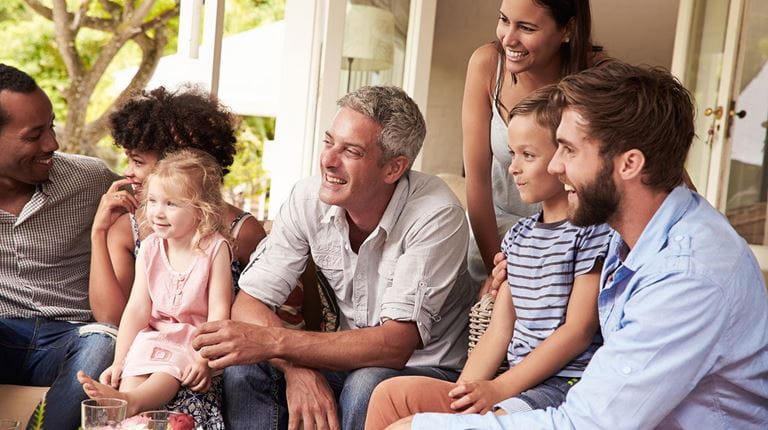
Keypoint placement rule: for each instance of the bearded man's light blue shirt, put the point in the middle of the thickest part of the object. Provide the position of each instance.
(684, 316)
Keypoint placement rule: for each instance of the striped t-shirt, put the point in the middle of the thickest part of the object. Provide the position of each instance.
(542, 261)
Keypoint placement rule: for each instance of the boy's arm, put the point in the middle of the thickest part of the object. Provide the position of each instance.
(492, 346)
(567, 341)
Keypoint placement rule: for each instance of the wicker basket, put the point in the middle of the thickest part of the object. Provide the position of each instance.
(479, 319)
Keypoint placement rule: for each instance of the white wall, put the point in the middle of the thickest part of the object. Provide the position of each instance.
(630, 30)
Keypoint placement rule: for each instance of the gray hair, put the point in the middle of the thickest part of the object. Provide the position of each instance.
(402, 125)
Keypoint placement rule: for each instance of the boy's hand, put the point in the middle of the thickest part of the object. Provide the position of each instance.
(111, 375)
(474, 397)
(197, 376)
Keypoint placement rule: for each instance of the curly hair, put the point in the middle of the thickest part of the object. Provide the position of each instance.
(194, 177)
(165, 121)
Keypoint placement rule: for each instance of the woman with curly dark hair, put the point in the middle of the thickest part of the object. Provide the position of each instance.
(148, 127)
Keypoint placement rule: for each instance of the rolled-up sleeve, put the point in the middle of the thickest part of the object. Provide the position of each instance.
(424, 276)
(280, 259)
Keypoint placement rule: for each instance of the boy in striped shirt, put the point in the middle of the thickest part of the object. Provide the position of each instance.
(545, 321)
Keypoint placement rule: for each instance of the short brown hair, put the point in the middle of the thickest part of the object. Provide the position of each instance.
(538, 104)
(629, 107)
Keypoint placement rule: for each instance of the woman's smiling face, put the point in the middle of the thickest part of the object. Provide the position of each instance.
(528, 35)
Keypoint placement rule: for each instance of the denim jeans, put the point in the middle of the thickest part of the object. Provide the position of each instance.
(254, 395)
(42, 352)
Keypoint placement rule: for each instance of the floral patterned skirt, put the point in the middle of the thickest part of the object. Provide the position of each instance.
(205, 408)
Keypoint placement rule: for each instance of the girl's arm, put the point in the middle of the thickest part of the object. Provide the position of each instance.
(220, 285)
(568, 341)
(136, 315)
(112, 270)
(492, 346)
(476, 132)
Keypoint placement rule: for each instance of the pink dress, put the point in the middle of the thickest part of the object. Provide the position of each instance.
(179, 306)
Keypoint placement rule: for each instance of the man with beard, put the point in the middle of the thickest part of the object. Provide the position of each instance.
(47, 203)
(390, 245)
(683, 307)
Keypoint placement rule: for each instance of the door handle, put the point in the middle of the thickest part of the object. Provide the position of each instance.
(717, 112)
(741, 114)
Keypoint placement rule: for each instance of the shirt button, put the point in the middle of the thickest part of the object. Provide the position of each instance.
(422, 284)
(626, 370)
(678, 238)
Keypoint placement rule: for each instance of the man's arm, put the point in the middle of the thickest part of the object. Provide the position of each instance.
(666, 344)
(258, 336)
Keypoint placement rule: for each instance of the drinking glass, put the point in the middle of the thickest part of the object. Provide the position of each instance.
(98, 414)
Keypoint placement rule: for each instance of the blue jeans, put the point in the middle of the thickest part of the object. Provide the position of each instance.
(254, 395)
(42, 352)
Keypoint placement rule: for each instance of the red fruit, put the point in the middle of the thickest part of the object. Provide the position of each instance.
(181, 422)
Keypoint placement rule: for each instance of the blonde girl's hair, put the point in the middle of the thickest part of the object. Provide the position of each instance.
(195, 176)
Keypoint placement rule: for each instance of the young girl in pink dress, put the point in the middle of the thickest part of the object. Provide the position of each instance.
(182, 280)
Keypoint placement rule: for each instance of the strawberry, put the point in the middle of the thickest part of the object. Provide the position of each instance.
(181, 422)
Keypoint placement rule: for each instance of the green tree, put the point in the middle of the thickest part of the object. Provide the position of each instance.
(88, 35)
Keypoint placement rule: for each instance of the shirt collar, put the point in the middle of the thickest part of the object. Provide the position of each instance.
(391, 213)
(49, 186)
(654, 236)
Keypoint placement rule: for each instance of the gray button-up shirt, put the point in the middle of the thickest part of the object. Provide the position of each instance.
(412, 267)
(45, 251)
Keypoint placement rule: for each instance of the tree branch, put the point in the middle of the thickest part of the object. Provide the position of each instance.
(65, 41)
(152, 50)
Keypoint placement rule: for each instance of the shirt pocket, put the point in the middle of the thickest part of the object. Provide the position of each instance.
(330, 265)
(387, 270)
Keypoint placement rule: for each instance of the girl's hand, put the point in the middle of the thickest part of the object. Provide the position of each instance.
(474, 397)
(197, 376)
(111, 375)
(114, 203)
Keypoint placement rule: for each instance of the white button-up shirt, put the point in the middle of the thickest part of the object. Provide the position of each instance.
(412, 267)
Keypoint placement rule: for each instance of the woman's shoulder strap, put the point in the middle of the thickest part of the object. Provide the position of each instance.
(237, 223)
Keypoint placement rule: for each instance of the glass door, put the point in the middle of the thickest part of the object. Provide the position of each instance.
(701, 44)
(746, 185)
(720, 55)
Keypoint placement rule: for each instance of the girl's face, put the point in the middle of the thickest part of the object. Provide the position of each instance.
(528, 35)
(168, 214)
(532, 148)
(140, 165)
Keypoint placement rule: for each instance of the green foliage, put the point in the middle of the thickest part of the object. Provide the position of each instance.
(37, 416)
(27, 42)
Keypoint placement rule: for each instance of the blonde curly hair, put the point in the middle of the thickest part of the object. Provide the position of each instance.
(195, 177)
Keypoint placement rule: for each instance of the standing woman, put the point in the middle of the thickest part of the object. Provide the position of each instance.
(538, 43)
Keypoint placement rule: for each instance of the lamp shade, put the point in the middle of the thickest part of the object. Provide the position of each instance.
(368, 34)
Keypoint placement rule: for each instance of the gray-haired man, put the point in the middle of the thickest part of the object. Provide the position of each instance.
(392, 245)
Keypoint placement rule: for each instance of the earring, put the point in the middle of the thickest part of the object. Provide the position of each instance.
(567, 39)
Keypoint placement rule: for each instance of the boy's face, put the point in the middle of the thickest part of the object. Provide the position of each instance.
(532, 148)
